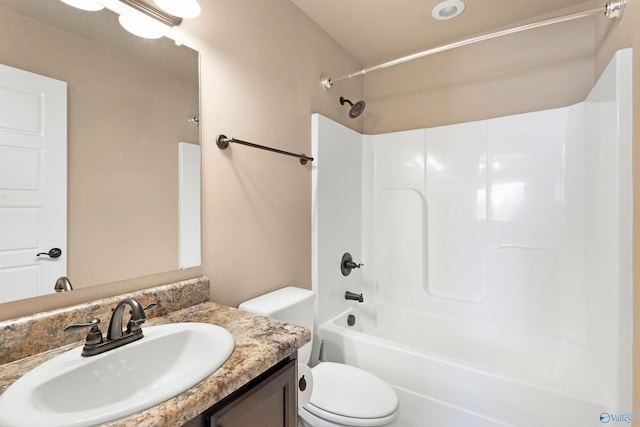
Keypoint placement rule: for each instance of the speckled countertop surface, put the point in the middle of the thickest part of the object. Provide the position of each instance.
(260, 343)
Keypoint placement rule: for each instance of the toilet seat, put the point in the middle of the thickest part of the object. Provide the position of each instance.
(327, 419)
(349, 396)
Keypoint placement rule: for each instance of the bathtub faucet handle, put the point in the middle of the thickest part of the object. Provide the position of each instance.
(347, 264)
(353, 296)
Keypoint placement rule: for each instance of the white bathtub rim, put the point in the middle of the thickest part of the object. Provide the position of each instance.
(330, 325)
(497, 423)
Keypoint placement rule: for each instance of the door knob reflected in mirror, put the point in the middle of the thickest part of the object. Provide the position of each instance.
(53, 253)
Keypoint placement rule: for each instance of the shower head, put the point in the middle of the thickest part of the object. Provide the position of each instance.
(356, 109)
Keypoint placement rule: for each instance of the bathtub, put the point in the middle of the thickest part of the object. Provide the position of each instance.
(456, 373)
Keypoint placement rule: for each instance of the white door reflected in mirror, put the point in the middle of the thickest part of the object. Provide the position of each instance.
(33, 183)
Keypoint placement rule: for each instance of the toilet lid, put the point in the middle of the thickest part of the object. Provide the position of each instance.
(348, 391)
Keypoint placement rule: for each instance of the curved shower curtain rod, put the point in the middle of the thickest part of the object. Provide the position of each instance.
(612, 10)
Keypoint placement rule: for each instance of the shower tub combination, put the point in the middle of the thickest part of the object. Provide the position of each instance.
(505, 302)
(458, 373)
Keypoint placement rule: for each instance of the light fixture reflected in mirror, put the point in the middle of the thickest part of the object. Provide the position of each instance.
(89, 5)
(145, 18)
(181, 8)
(139, 26)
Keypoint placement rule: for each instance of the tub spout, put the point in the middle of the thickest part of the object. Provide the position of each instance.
(353, 296)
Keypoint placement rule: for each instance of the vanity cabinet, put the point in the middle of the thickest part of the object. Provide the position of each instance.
(270, 400)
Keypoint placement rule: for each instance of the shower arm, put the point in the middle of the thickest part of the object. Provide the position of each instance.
(612, 10)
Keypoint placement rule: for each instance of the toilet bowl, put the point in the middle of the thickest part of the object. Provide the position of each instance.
(341, 395)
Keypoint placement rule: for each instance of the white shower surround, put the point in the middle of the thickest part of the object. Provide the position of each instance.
(508, 240)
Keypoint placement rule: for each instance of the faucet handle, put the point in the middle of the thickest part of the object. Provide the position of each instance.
(135, 324)
(150, 306)
(347, 264)
(94, 336)
(131, 325)
(93, 324)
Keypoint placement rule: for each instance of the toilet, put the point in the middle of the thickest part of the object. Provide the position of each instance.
(341, 395)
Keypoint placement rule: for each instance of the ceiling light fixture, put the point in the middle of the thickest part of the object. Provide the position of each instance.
(89, 5)
(448, 9)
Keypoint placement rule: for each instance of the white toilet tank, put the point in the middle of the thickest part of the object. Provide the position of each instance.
(292, 305)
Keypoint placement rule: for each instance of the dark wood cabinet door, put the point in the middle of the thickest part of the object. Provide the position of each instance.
(270, 403)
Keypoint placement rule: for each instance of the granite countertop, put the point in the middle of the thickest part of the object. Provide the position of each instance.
(260, 343)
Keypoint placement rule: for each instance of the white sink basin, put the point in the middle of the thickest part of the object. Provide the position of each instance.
(72, 390)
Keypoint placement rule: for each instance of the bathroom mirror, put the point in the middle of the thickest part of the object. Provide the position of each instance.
(130, 102)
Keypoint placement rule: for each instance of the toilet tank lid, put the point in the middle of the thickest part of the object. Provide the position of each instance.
(270, 304)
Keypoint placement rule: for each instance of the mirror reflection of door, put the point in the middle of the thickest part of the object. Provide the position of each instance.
(33, 183)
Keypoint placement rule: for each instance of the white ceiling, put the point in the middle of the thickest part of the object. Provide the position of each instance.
(375, 31)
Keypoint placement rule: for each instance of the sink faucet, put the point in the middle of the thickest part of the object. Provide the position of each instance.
(138, 317)
(116, 337)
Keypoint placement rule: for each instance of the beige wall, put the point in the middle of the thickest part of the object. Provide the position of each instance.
(261, 66)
